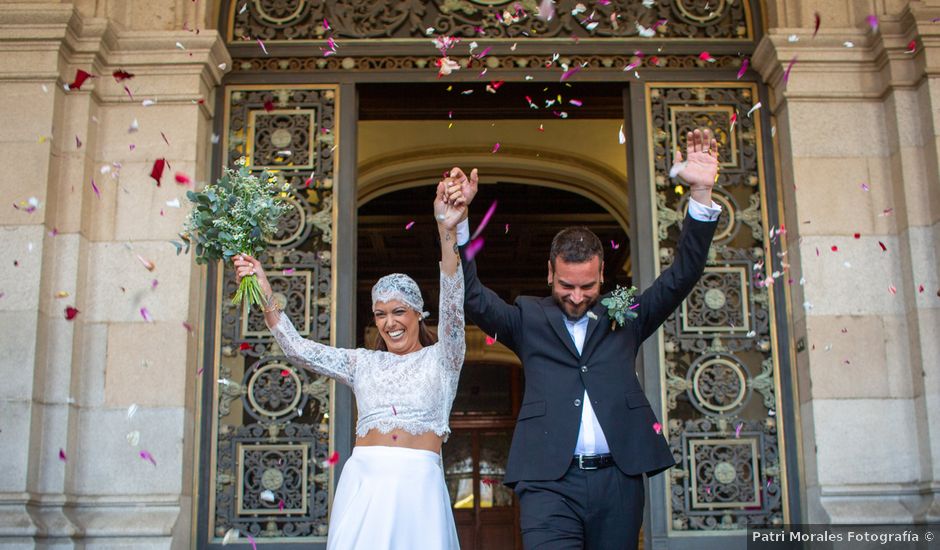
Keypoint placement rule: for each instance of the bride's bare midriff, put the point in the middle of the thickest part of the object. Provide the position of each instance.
(428, 441)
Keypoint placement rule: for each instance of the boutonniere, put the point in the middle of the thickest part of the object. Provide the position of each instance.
(621, 305)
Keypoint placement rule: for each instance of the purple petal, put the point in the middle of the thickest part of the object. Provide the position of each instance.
(484, 221)
(474, 247)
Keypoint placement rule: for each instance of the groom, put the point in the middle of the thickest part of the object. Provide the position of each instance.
(586, 433)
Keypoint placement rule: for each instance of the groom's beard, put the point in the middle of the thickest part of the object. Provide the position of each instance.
(572, 311)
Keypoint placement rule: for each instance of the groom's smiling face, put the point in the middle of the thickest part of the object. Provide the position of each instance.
(576, 286)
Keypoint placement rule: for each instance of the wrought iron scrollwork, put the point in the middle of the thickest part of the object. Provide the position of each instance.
(273, 428)
(717, 347)
(294, 20)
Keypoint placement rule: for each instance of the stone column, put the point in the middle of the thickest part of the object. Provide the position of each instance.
(100, 224)
(858, 152)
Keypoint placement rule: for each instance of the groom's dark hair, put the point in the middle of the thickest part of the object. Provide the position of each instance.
(575, 245)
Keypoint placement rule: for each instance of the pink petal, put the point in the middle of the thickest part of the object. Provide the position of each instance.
(148, 457)
(911, 47)
(326, 24)
(62, 456)
(490, 340)
(892, 289)
(567, 74)
(409, 225)
(575, 102)
(873, 22)
(146, 315)
(187, 326)
(280, 505)
(252, 541)
(265, 50)
(743, 68)
(334, 458)
(705, 56)
(614, 245)
(495, 148)
(657, 427)
(786, 73)
(507, 230)
(474, 248)
(484, 221)
(95, 188)
(737, 430)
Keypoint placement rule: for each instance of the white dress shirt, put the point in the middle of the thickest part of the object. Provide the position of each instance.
(591, 439)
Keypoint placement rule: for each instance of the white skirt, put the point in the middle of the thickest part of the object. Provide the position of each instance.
(392, 498)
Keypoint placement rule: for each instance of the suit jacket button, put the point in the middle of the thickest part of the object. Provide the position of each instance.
(584, 368)
(577, 402)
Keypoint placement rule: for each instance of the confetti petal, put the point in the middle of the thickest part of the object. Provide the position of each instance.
(148, 457)
(818, 21)
(737, 430)
(333, 459)
(620, 137)
(133, 438)
(883, 247)
(265, 50)
(132, 410)
(80, 78)
(754, 108)
(120, 75)
(484, 221)
(62, 456)
(146, 315)
(705, 56)
(147, 263)
(71, 313)
(786, 73)
(495, 148)
(911, 47)
(268, 105)
(409, 225)
(474, 248)
(873, 22)
(94, 188)
(230, 536)
(157, 172)
(267, 496)
(182, 178)
(567, 74)
(657, 427)
(743, 69)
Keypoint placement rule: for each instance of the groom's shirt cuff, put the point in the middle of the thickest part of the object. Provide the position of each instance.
(697, 210)
(463, 233)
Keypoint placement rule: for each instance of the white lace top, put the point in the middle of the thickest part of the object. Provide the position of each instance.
(413, 392)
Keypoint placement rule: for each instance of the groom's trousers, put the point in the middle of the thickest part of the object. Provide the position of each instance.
(586, 509)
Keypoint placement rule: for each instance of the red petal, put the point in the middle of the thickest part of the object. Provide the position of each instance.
(835, 248)
(182, 179)
(883, 247)
(80, 78)
(269, 105)
(121, 74)
(818, 21)
(62, 455)
(858, 235)
(71, 313)
(911, 46)
(334, 458)
(243, 346)
(157, 172)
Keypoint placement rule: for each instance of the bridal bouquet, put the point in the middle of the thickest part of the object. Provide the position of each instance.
(235, 216)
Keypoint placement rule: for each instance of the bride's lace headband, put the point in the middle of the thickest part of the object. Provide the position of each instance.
(399, 286)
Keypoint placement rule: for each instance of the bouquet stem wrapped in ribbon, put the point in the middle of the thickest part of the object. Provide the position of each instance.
(236, 215)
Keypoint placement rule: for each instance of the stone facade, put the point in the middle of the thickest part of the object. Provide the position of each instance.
(868, 376)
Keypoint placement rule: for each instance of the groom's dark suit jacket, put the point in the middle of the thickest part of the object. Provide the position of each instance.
(556, 375)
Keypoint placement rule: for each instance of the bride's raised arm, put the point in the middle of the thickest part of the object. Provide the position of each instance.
(448, 211)
(338, 363)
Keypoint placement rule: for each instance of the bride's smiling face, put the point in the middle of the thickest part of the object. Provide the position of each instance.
(398, 326)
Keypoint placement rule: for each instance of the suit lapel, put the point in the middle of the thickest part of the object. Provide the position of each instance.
(556, 318)
(600, 314)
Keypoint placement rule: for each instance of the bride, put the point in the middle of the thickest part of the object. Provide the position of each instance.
(391, 493)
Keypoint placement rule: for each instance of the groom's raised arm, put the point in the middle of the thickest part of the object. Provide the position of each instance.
(482, 306)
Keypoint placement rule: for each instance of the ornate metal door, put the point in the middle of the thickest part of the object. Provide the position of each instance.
(268, 429)
(720, 363)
